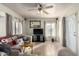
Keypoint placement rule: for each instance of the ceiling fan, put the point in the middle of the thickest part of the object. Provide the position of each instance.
(41, 8)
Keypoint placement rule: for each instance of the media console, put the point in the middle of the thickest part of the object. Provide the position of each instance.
(38, 35)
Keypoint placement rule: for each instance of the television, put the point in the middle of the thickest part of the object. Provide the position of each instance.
(37, 31)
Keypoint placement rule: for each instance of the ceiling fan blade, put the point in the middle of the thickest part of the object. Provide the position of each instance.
(48, 7)
(36, 8)
(45, 12)
(32, 9)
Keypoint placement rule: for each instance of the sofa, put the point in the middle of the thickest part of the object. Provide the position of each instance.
(10, 45)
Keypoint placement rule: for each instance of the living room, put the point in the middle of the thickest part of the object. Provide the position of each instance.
(29, 29)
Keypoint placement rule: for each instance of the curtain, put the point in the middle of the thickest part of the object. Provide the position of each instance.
(8, 25)
(64, 32)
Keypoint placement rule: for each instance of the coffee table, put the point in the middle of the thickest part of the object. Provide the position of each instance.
(27, 47)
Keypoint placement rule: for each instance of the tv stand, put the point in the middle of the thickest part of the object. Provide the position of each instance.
(38, 38)
(38, 35)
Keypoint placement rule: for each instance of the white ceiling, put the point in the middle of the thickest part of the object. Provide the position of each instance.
(59, 9)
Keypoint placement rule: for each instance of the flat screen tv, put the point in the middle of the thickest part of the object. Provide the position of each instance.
(37, 31)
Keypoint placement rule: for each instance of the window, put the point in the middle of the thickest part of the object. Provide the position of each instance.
(9, 25)
(50, 29)
(17, 26)
(20, 27)
(2, 26)
(13, 27)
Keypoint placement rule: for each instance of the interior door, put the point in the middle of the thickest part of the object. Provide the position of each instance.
(71, 33)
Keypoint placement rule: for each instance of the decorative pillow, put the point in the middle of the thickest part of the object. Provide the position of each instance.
(14, 37)
(25, 38)
(13, 42)
(20, 41)
(9, 40)
(4, 41)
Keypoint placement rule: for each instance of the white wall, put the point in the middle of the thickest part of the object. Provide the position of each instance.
(29, 31)
(60, 30)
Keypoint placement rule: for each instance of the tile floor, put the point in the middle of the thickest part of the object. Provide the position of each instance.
(49, 48)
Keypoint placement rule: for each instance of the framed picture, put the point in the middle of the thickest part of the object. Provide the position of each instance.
(35, 24)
